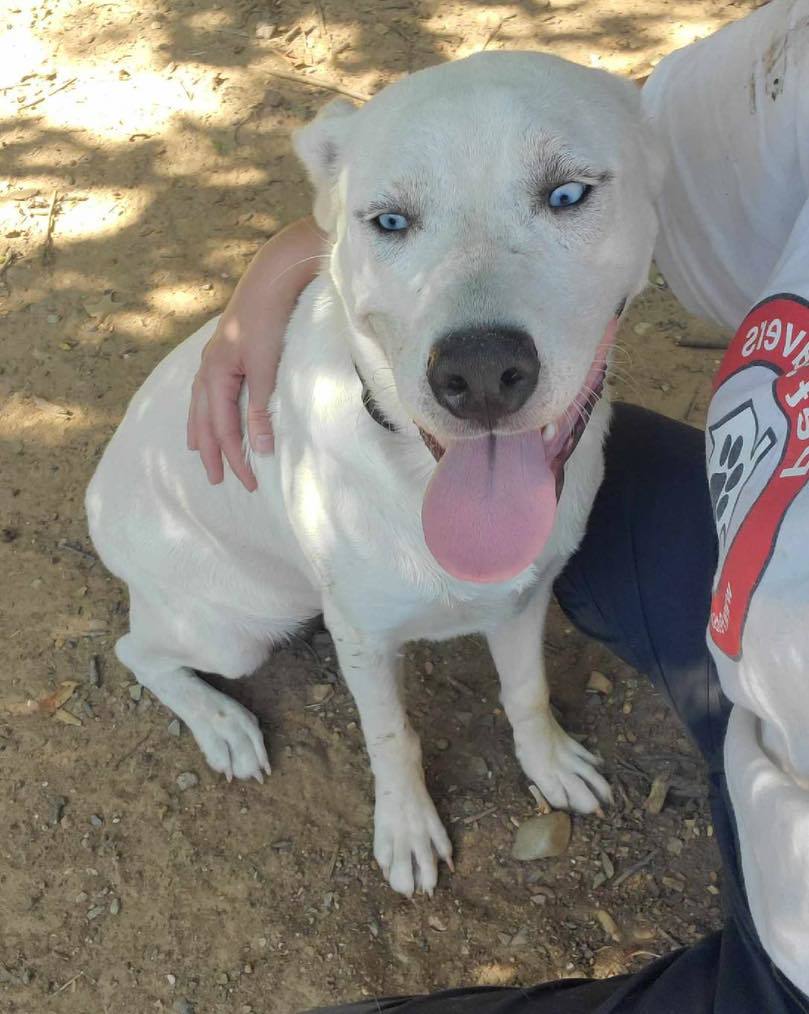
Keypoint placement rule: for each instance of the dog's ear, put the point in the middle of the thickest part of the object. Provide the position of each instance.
(319, 145)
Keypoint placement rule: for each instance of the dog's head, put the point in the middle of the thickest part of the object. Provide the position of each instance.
(490, 218)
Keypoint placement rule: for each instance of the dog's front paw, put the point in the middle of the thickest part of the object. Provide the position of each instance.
(565, 772)
(408, 836)
(229, 736)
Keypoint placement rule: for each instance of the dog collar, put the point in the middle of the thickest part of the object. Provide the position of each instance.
(371, 407)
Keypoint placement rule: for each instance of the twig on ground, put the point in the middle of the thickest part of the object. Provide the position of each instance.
(69, 982)
(630, 871)
(458, 685)
(333, 862)
(475, 817)
(53, 91)
(703, 343)
(313, 82)
(130, 753)
(47, 243)
(74, 547)
(496, 31)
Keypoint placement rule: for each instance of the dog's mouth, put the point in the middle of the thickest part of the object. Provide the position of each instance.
(491, 503)
(560, 437)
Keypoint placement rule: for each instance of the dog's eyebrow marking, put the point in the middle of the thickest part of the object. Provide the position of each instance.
(402, 200)
(551, 170)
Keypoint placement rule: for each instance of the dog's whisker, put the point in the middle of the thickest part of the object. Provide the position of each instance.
(304, 260)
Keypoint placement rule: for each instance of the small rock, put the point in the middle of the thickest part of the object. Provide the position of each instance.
(94, 671)
(674, 846)
(672, 884)
(135, 691)
(608, 924)
(539, 899)
(95, 912)
(174, 727)
(435, 923)
(53, 318)
(320, 692)
(599, 683)
(644, 327)
(183, 1007)
(187, 780)
(520, 938)
(322, 642)
(607, 866)
(115, 906)
(264, 30)
(656, 799)
(478, 767)
(543, 836)
(442, 744)
(95, 820)
(81, 897)
(429, 667)
(608, 962)
(57, 809)
(222, 979)
(172, 980)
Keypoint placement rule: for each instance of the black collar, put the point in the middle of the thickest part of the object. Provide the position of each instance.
(371, 407)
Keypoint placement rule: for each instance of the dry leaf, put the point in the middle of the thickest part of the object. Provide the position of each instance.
(47, 705)
(65, 716)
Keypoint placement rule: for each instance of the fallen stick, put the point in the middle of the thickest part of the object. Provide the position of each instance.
(47, 244)
(61, 88)
(713, 344)
(630, 871)
(317, 83)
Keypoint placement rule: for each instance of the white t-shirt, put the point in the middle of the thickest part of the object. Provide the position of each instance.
(733, 112)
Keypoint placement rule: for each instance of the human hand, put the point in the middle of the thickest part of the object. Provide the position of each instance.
(247, 347)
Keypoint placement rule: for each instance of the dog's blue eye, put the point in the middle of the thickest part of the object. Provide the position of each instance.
(568, 194)
(389, 221)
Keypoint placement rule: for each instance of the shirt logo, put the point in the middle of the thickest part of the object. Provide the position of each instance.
(758, 453)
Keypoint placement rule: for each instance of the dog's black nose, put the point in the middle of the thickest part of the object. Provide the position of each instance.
(483, 374)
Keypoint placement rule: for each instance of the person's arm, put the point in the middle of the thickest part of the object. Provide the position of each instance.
(247, 346)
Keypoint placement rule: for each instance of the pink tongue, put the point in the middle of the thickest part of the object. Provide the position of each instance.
(489, 507)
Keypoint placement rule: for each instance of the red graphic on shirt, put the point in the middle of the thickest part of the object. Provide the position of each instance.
(775, 334)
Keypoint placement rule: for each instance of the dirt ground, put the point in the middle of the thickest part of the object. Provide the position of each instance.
(145, 156)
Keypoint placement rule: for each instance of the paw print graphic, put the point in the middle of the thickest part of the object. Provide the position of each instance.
(725, 480)
(738, 447)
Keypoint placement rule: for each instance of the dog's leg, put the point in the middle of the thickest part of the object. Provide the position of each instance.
(562, 769)
(227, 733)
(407, 830)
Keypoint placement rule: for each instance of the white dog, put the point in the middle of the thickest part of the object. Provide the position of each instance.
(490, 219)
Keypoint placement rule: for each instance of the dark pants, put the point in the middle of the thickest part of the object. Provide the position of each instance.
(640, 584)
